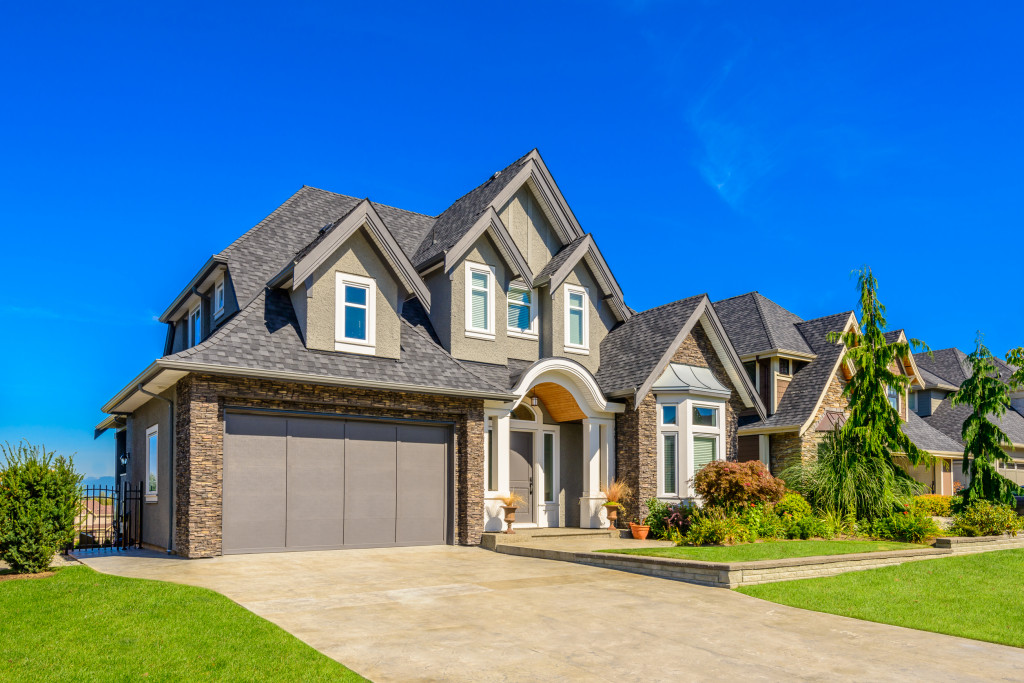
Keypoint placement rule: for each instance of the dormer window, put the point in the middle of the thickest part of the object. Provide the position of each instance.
(355, 315)
(522, 314)
(218, 298)
(195, 325)
(783, 366)
(577, 326)
(479, 301)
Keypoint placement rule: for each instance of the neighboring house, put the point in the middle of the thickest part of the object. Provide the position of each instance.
(349, 374)
(800, 376)
(97, 519)
(943, 372)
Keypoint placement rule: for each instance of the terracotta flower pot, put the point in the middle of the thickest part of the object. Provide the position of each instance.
(510, 517)
(613, 515)
(639, 531)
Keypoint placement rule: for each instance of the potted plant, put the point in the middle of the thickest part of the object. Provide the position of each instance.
(616, 492)
(639, 530)
(510, 503)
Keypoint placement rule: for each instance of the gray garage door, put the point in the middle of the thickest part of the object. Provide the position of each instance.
(298, 483)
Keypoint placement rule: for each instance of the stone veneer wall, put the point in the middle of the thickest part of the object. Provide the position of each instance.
(636, 430)
(787, 445)
(200, 445)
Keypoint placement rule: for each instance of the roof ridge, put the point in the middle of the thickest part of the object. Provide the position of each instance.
(752, 292)
(489, 179)
(670, 303)
(760, 316)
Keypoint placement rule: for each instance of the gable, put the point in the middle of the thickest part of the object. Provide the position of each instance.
(526, 219)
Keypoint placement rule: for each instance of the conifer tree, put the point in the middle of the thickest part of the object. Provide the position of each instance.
(983, 439)
(873, 424)
(1015, 357)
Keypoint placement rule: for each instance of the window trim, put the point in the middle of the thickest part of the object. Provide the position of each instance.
(912, 401)
(661, 414)
(196, 312)
(789, 367)
(490, 459)
(348, 344)
(531, 331)
(471, 331)
(890, 394)
(548, 477)
(153, 431)
(663, 492)
(219, 298)
(584, 348)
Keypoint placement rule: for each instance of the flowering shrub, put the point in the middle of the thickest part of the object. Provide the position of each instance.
(794, 505)
(982, 518)
(667, 521)
(936, 506)
(734, 485)
(714, 526)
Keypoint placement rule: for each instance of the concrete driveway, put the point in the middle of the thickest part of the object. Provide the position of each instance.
(467, 614)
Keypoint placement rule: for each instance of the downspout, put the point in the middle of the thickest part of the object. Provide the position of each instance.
(173, 431)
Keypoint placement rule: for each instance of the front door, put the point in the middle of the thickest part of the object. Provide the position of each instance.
(520, 472)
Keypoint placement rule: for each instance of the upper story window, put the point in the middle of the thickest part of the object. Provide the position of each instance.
(669, 414)
(218, 298)
(783, 366)
(577, 325)
(152, 458)
(893, 394)
(355, 313)
(522, 313)
(912, 400)
(195, 325)
(705, 417)
(479, 301)
(751, 367)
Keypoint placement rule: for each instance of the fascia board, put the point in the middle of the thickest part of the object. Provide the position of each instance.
(821, 397)
(489, 221)
(212, 263)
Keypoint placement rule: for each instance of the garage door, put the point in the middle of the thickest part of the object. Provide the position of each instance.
(298, 483)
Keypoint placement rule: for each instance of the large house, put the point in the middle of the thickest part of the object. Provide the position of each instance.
(348, 374)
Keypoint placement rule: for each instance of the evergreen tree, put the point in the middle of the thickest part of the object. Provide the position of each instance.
(874, 425)
(1015, 357)
(982, 438)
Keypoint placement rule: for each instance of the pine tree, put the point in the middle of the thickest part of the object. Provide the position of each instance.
(873, 424)
(1015, 357)
(982, 438)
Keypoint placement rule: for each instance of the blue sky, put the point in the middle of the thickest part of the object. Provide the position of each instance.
(710, 147)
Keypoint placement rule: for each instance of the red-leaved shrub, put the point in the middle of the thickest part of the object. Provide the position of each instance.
(734, 485)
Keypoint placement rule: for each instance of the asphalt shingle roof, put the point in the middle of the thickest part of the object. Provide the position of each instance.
(630, 352)
(947, 364)
(801, 397)
(557, 260)
(265, 335)
(927, 437)
(949, 420)
(755, 324)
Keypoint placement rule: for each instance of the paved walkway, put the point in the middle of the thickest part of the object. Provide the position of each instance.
(467, 614)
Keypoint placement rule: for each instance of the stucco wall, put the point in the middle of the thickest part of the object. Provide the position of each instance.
(357, 256)
(600, 317)
(155, 515)
(530, 229)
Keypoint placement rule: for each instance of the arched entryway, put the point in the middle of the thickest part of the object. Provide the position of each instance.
(554, 446)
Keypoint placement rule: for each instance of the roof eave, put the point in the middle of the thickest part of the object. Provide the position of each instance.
(213, 263)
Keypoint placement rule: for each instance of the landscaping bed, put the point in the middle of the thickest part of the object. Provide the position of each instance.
(971, 596)
(770, 550)
(82, 625)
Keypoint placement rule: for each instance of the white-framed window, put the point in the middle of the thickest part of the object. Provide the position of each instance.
(491, 461)
(705, 416)
(548, 446)
(522, 311)
(577, 324)
(479, 301)
(912, 401)
(195, 324)
(669, 414)
(893, 394)
(218, 298)
(705, 450)
(152, 460)
(706, 434)
(669, 457)
(355, 320)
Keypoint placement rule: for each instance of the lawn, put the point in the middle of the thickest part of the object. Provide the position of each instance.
(973, 596)
(768, 550)
(82, 625)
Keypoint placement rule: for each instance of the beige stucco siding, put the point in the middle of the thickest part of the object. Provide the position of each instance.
(530, 229)
(156, 514)
(357, 256)
(600, 317)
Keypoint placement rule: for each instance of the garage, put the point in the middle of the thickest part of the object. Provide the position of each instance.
(311, 483)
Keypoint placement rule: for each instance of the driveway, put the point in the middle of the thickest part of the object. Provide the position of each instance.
(467, 614)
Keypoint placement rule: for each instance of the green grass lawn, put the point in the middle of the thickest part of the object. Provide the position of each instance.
(973, 596)
(82, 625)
(769, 550)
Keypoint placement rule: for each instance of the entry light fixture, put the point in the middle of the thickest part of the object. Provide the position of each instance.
(533, 401)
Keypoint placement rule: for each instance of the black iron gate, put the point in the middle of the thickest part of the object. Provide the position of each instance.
(109, 517)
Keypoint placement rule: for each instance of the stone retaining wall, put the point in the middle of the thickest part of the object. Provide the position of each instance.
(960, 545)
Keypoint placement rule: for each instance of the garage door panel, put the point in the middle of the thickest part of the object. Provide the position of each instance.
(316, 483)
(254, 492)
(422, 484)
(370, 491)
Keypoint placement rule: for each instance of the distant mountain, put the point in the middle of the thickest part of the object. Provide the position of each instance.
(99, 481)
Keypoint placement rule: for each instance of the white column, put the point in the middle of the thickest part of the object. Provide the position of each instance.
(763, 452)
(592, 512)
(498, 421)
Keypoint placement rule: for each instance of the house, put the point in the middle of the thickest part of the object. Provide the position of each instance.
(349, 374)
(800, 376)
(943, 372)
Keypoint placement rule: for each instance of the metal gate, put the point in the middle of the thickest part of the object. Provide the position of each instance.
(109, 517)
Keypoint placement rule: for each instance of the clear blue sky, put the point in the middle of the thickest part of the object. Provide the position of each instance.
(710, 147)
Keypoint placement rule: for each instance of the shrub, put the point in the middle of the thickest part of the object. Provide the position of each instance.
(906, 526)
(762, 522)
(807, 526)
(713, 526)
(733, 485)
(840, 525)
(983, 518)
(933, 505)
(794, 505)
(664, 519)
(39, 500)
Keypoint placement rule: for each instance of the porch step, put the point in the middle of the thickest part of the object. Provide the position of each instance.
(492, 539)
